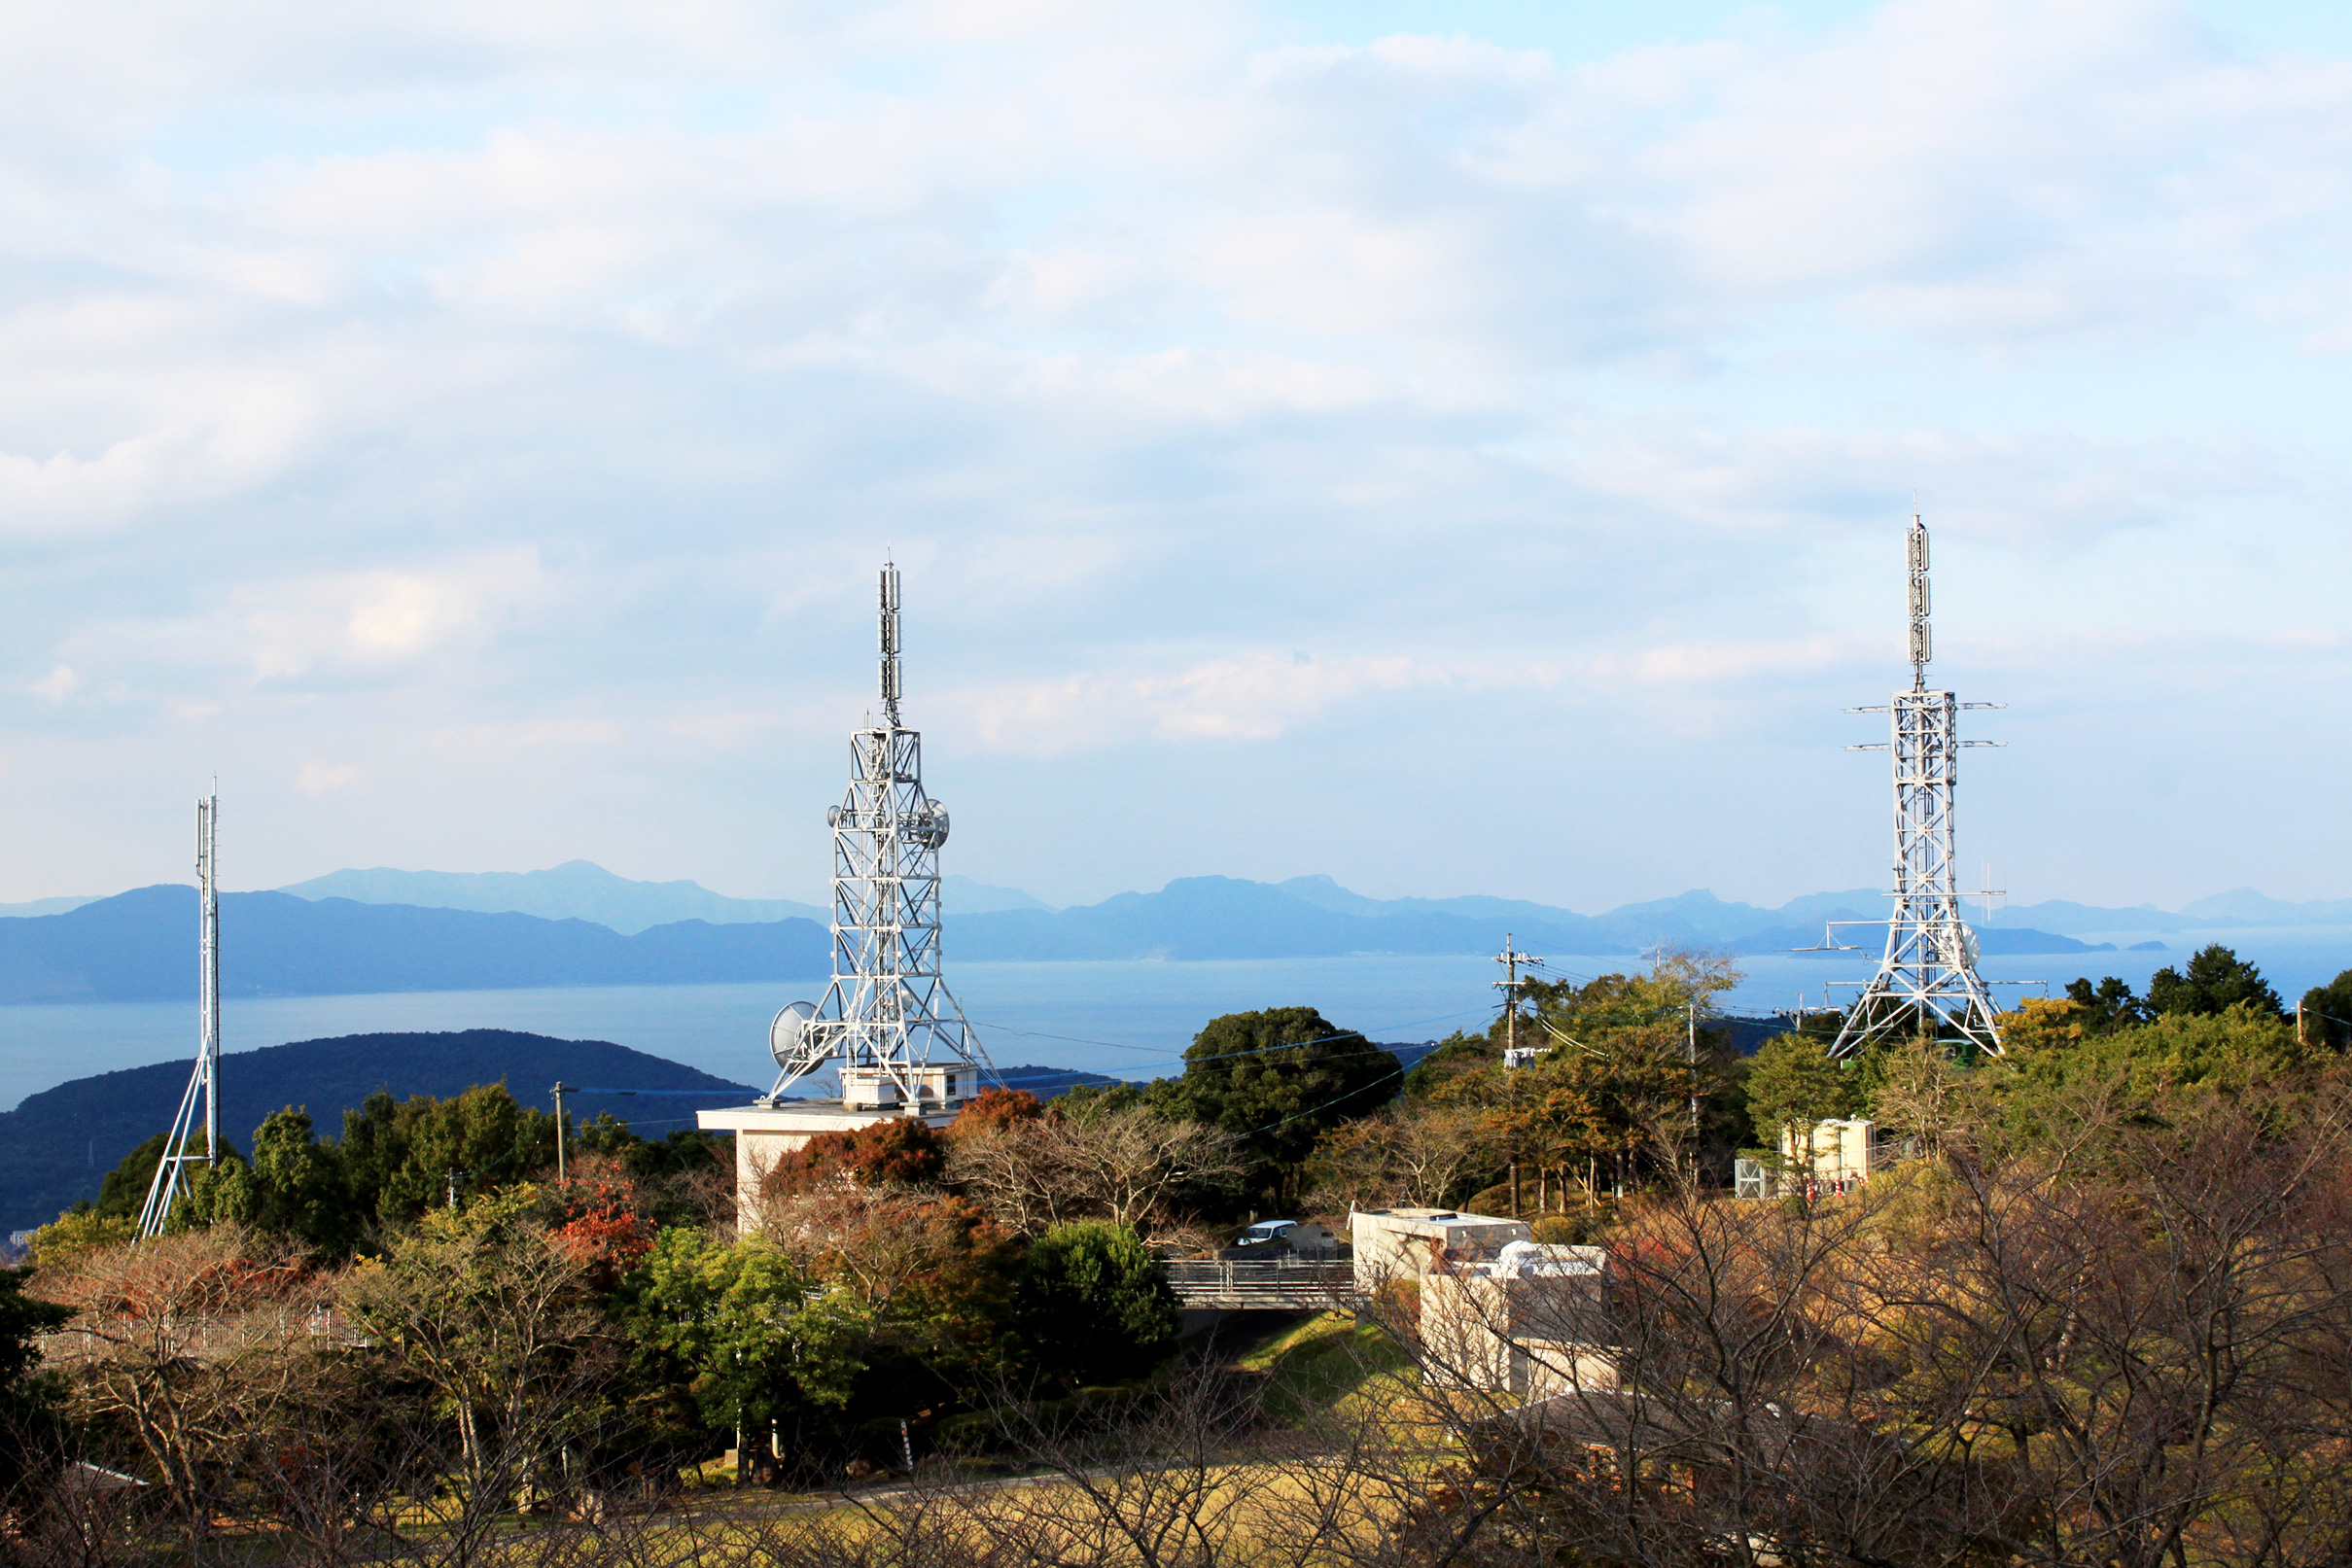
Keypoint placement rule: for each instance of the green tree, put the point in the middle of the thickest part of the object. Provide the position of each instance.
(293, 1186)
(748, 1334)
(2327, 1013)
(1276, 1080)
(2218, 980)
(402, 1157)
(125, 1190)
(1094, 1303)
(2108, 1006)
(28, 1396)
(482, 1305)
(1792, 1085)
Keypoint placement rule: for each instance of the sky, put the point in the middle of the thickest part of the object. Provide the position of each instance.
(1453, 448)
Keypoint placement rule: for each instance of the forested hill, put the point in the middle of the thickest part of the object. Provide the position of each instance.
(57, 1146)
(141, 945)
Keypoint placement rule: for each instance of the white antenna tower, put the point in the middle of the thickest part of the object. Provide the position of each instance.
(886, 1017)
(171, 1180)
(1928, 979)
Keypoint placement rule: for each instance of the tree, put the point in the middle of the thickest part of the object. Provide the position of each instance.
(1456, 1054)
(1419, 1156)
(1094, 1303)
(1276, 1079)
(2217, 981)
(1794, 1085)
(482, 1304)
(403, 1157)
(2110, 1005)
(899, 1151)
(747, 1333)
(1126, 1164)
(30, 1397)
(293, 1187)
(196, 1347)
(2327, 1013)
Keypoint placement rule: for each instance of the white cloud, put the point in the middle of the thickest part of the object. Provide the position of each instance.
(536, 732)
(59, 684)
(446, 364)
(1250, 697)
(378, 618)
(318, 779)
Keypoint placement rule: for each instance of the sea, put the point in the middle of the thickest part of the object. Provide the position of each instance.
(1127, 1019)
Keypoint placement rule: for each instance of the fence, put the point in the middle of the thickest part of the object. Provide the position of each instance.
(1286, 1282)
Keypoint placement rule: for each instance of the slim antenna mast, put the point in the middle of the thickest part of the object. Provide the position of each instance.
(1927, 980)
(889, 644)
(171, 1181)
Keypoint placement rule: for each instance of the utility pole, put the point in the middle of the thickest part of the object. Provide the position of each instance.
(1510, 957)
(1691, 1007)
(560, 1088)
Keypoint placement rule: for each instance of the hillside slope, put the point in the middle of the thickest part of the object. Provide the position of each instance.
(57, 1146)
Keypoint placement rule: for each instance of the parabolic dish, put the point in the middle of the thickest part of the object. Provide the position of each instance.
(791, 1028)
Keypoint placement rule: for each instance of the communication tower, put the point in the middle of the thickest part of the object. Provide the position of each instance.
(1927, 981)
(172, 1181)
(888, 1017)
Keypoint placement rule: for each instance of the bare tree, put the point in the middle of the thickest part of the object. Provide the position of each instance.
(1128, 1166)
(1418, 1156)
(195, 1347)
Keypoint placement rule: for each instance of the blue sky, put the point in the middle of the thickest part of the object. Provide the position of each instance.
(1455, 449)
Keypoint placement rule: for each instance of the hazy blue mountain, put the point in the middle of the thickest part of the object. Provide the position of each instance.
(577, 890)
(2244, 906)
(44, 906)
(57, 1146)
(142, 944)
(1227, 918)
(960, 895)
(1326, 894)
(582, 889)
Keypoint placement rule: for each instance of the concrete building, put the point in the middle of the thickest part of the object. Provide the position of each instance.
(1412, 1243)
(1532, 1320)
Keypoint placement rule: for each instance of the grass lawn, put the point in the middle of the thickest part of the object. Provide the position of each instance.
(1333, 1361)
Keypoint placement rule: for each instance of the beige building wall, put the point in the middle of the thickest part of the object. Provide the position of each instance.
(1534, 1334)
(1411, 1243)
(1844, 1149)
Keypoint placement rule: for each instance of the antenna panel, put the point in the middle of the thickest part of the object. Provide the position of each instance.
(1919, 643)
(1918, 550)
(790, 1028)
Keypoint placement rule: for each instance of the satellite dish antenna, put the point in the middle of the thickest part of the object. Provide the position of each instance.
(790, 1028)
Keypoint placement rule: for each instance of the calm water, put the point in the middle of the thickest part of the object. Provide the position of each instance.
(1130, 1019)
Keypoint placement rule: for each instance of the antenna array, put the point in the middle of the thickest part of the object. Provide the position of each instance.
(886, 1017)
(171, 1181)
(1927, 980)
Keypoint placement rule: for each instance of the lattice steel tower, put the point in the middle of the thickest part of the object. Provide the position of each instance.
(886, 1017)
(171, 1181)
(1927, 981)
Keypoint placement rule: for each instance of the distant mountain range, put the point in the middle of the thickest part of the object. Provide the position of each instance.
(56, 1147)
(141, 945)
(306, 942)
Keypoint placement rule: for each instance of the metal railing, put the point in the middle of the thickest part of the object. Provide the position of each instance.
(1299, 1280)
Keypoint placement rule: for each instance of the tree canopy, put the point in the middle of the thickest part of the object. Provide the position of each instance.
(1278, 1079)
(2217, 980)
